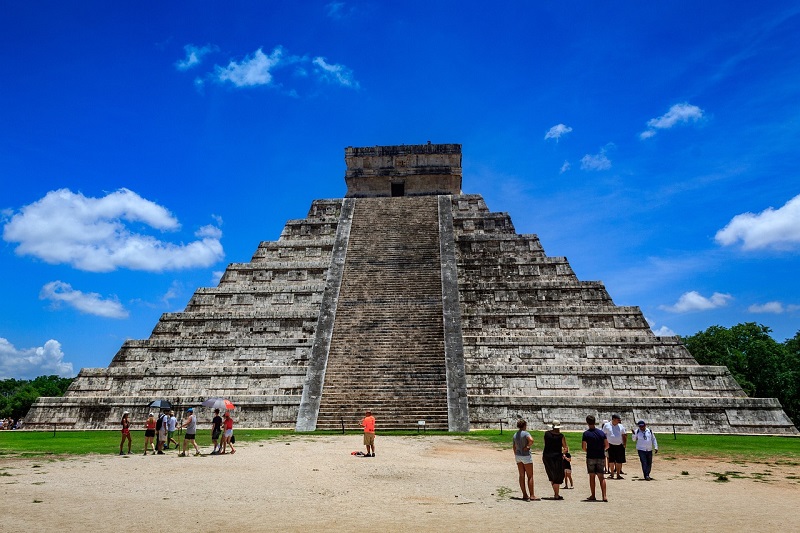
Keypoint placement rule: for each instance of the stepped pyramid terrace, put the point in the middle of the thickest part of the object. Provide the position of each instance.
(416, 301)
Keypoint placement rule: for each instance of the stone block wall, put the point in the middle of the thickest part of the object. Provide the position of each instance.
(248, 340)
(541, 344)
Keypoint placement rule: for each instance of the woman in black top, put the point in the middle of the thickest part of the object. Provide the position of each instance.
(554, 447)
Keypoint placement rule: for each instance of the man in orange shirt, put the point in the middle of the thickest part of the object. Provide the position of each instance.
(368, 422)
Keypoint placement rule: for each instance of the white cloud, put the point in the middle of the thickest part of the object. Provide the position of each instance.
(694, 301)
(772, 228)
(252, 70)
(259, 69)
(194, 56)
(564, 167)
(336, 10)
(776, 308)
(33, 362)
(91, 234)
(216, 276)
(678, 114)
(175, 289)
(598, 161)
(88, 303)
(557, 131)
(334, 73)
(664, 331)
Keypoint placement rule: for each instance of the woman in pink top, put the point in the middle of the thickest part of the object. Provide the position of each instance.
(149, 433)
(126, 432)
(226, 437)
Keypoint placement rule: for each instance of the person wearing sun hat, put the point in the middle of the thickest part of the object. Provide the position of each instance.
(646, 444)
(191, 430)
(553, 456)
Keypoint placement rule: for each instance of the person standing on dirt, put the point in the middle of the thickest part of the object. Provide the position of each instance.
(161, 432)
(191, 431)
(149, 433)
(227, 436)
(553, 456)
(522, 454)
(368, 423)
(216, 431)
(126, 432)
(617, 437)
(595, 444)
(646, 444)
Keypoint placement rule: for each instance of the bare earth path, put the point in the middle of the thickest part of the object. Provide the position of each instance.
(446, 483)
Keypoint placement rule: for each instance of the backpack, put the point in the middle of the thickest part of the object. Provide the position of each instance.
(159, 422)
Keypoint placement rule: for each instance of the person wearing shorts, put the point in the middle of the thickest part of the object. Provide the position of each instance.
(368, 423)
(172, 423)
(617, 437)
(149, 433)
(522, 454)
(567, 462)
(191, 430)
(595, 444)
(227, 437)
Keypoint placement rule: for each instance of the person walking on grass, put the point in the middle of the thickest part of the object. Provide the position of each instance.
(191, 431)
(368, 423)
(172, 423)
(595, 444)
(149, 433)
(227, 437)
(126, 432)
(646, 444)
(161, 432)
(522, 454)
(553, 457)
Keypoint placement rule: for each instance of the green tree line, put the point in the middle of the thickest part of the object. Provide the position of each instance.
(17, 395)
(763, 367)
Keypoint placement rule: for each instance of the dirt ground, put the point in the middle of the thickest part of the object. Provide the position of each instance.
(446, 483)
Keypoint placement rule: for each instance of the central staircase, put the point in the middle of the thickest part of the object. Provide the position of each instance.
(387, 346)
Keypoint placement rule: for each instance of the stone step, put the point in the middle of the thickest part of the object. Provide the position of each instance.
(388, 328)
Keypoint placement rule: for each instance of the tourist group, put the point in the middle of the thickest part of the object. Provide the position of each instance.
(159, 432)
(605, 455)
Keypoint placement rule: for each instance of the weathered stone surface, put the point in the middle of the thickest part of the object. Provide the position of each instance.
(408, 170)
(422, 307)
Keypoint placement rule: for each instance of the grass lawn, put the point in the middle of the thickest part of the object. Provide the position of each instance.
(734, 447)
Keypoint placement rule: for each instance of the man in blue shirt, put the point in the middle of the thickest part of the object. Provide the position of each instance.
(595, 444)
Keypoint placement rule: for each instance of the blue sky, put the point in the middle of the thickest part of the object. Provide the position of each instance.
(146, 145)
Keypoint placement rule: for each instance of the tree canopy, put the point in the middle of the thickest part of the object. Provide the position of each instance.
(17, 395)
(763, 367)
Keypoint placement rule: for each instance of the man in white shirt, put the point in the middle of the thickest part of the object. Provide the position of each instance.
(172, 423)
(646, 444)
(617, 437)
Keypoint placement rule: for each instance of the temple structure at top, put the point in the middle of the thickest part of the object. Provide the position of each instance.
(414, 300)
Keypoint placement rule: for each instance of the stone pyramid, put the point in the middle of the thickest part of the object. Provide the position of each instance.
(414, 300)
